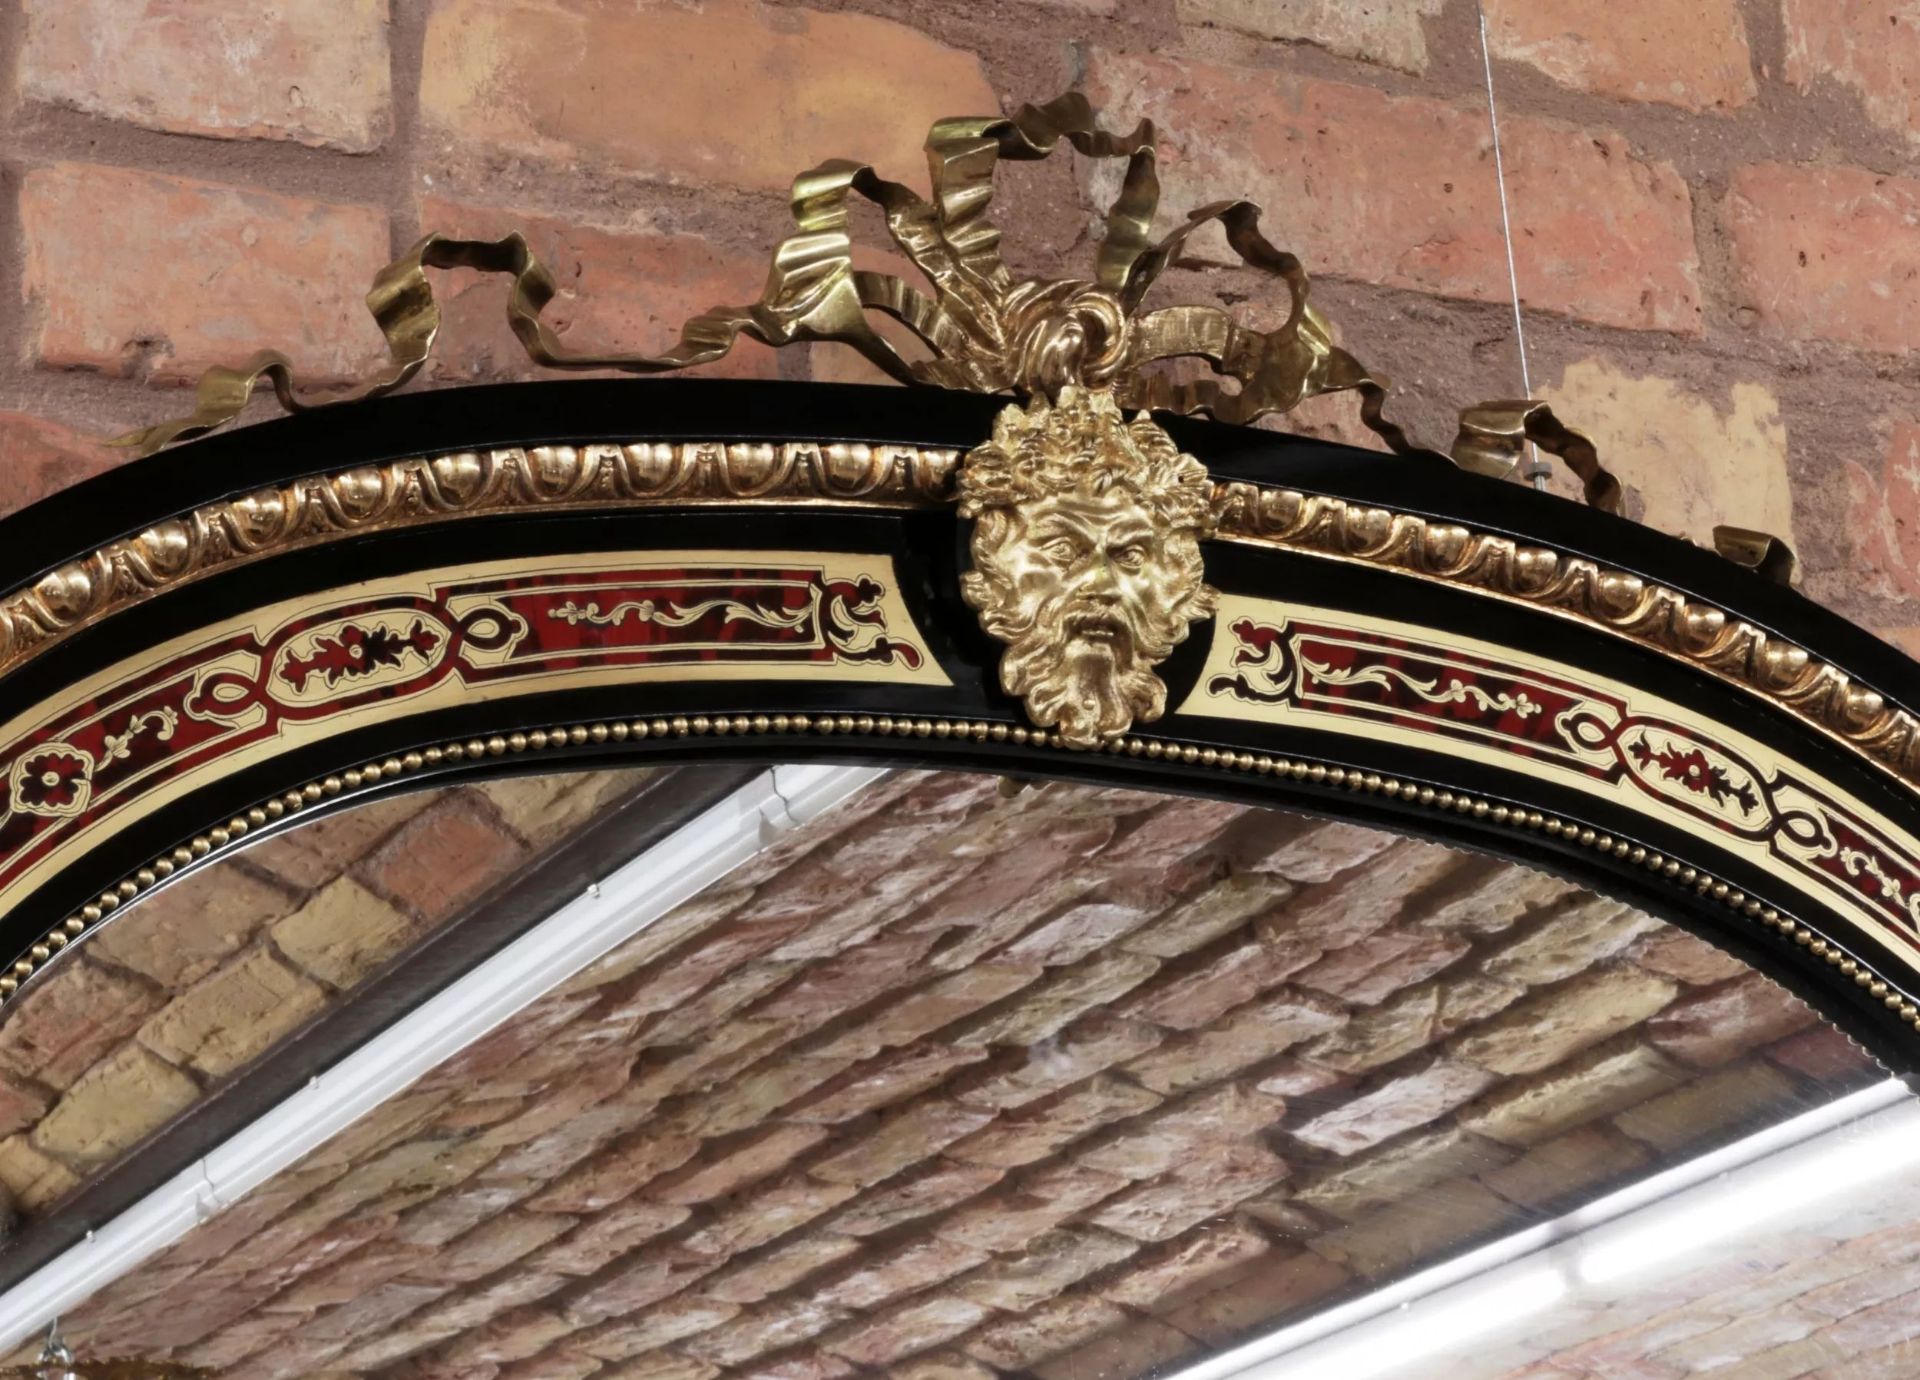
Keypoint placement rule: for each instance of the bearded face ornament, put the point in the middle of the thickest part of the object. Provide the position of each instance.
(1086, 559)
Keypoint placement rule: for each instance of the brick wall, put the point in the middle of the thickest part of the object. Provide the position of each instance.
(1716, 205)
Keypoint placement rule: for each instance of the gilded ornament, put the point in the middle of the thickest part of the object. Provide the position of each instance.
(984, 330)
(1086, 559)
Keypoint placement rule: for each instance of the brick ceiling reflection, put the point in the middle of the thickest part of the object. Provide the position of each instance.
(1077, 1083)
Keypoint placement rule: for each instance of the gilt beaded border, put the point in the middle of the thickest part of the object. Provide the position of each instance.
(306, 797)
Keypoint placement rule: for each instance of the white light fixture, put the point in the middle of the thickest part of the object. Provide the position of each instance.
(1752, 1198)
(613, 910)
(1401, 1329)
(1429, 1328)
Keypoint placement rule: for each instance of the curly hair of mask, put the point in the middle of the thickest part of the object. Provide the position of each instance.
(1087, 447)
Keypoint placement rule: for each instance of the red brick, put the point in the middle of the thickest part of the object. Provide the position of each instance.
(179, 934)
(1188, 1266)
(1229, 975)
(918, 1192)
(1059, 1325)
(1250, 1302)
(766, 1273)
(1206, 915)
(1401, 190)
(1828, 253)
(726, 1171)
(640, 88)
(70, 1021)
(1885, 512)
(1243, 1037)
(1870, 48)
(1078, 931)
(903, 1018)
(458, 1312)
(314, 854)
(766, 1213)
(1204, 1186)
(512, 1336)
(39, 457)
(173, 275)
(1044, 1267)
(234, 1015)
(918, 1325)
(1034, 1132)
(1081, 1050)
(1331, 916)
(1674, 953)
(1008, 1220)
(442, 858)
(659, 1325)
(316, 71)
(1381, 964)
(1720, 1024)
(1169, 832)
(21, 1104)
(643, 1279)
(1423, 1227)
(768, 1327)
(1009, 883)
(1180, 1130)
(1310, 850)
(883, 1081)
(905, 1137)
(1694, 56)
(848, 980)
(608, 1235)
(906, 1268)
(495, 1244)
(617, 1172)
(347, 1277)
(554, 1364)
(1826, 1055)
(482, 1062)
(1392, 34)
(1399, 1103)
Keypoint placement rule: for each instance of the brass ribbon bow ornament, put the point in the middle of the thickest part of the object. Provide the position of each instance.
(1085, 545)
(985, 332)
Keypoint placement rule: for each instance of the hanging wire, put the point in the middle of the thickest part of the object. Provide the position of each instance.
(1537, 470)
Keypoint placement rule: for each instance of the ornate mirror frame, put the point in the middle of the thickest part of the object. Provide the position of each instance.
(234, 635)
(328, 608)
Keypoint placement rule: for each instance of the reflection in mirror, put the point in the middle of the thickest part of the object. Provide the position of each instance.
(957, 1082)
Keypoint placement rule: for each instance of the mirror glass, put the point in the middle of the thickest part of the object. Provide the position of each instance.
(958, 1079)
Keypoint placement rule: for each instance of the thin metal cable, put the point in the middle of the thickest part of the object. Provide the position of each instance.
(1537, 472)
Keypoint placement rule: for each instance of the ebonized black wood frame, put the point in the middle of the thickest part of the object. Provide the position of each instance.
(1375, 692)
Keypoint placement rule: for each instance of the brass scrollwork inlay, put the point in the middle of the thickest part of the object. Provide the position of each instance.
(408, 493)
(417, 492)
(1623, 603)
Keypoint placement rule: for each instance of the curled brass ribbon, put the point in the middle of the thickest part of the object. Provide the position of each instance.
(1761, 552)
(1493, 434)
(984, 330)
